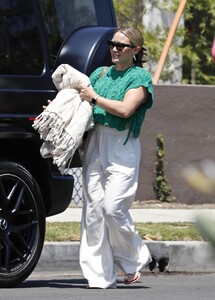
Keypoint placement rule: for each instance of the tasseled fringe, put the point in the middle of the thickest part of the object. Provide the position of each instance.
(49, 125)
(60, 144)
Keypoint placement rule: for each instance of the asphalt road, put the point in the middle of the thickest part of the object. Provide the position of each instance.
(152, 287)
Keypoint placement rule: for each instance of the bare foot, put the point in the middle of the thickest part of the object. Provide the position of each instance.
(131, 278)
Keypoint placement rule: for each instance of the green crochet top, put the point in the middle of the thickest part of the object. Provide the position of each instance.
(114, 85)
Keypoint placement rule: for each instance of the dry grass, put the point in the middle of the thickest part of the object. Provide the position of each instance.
(177, 231)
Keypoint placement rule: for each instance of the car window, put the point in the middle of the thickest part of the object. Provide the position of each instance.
(61, 17)
(20, 50)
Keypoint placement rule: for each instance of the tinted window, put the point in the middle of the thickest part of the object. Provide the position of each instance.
(20, 51)
(63, 16)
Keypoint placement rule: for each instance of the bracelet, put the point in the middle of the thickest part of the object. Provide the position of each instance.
(96, 97)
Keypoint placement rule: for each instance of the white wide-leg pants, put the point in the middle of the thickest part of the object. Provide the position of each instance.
(108, 235)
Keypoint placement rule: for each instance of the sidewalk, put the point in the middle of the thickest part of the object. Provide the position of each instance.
(182, 256)
(141, 215)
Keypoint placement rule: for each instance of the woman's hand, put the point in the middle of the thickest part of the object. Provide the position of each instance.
(87, 93)
(44, 106)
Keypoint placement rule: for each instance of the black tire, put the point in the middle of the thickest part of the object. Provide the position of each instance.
(22, 224)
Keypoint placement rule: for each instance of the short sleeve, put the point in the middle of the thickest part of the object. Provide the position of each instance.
(144, 79)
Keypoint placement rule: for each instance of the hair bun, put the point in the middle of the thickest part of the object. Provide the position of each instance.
(142, 56)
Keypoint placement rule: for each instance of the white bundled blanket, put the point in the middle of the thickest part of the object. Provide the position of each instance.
(62, 124)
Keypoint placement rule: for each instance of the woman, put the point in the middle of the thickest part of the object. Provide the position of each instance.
(120, 98)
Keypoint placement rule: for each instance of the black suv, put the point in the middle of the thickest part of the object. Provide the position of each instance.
(36, 36)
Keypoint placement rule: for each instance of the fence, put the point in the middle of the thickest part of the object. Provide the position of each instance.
(77, 191)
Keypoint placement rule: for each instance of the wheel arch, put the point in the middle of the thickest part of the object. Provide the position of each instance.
(24, 148)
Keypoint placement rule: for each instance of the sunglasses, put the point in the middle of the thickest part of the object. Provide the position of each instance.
(119, 46)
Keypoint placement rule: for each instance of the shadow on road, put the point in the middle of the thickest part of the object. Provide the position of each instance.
(73, 283)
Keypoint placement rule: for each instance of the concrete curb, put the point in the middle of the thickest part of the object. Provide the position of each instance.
(188, 257)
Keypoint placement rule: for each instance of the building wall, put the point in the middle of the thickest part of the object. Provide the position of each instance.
(185, 116)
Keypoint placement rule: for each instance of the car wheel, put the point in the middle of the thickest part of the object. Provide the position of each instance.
(22, 223)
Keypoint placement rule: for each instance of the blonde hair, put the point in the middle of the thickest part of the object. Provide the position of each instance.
(136, 39)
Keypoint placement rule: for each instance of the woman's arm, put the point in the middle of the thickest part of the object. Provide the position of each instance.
(132, 100)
